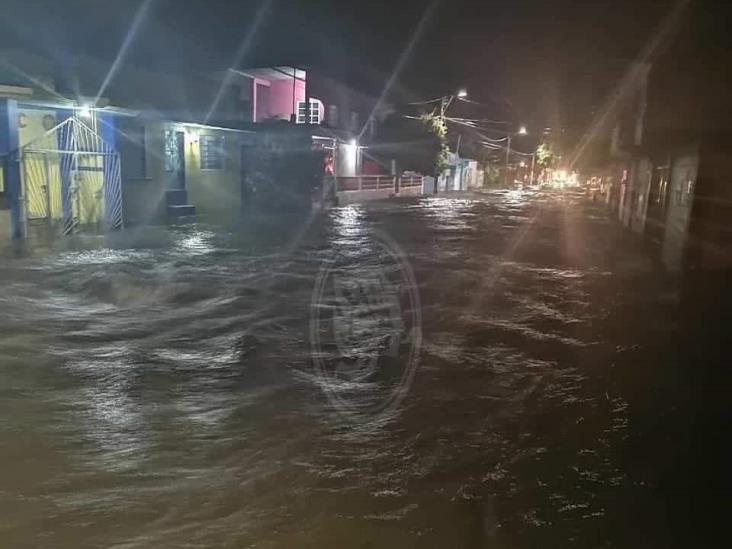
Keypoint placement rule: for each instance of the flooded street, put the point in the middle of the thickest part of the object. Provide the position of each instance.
(160, 389)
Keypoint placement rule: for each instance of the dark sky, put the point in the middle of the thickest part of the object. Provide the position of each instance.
(516, 54)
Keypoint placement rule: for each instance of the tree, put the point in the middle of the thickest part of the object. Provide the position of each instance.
(416, 143)
(544, 156)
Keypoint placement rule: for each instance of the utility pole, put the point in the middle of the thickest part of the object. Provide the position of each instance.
(445, 102)
(533, 163)
(521, 131)
(508, 159)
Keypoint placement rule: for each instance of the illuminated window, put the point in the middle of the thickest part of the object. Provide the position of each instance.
(302, 112)
(212, 152)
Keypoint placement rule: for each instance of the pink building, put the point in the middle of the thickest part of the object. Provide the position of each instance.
(341, 116)
(277, 93)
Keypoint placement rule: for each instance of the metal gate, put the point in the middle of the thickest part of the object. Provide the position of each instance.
(71, 178)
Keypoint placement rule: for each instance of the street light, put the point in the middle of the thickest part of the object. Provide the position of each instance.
(521, 131)
(463, 93)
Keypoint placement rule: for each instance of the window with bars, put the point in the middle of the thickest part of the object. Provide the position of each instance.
(212, 152)
(302, 112)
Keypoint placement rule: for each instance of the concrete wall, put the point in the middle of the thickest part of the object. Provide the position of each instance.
(30, 125)
(143, 198)
(638, 201)
(350, 197)
(280, 98)
(347, 100)
(5, 229)
(683, 174)
(710, 228)
(348, 161)
(411, 191)
(216, 194)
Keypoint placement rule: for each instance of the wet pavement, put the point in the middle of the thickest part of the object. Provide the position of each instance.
(163, 388)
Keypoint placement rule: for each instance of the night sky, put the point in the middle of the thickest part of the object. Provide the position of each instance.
(536, 61)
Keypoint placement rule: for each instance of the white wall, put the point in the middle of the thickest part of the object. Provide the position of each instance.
(348, 160)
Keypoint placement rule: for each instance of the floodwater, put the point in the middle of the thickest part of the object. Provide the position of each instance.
(159, 390)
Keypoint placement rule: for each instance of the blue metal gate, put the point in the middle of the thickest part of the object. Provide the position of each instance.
(71, 176)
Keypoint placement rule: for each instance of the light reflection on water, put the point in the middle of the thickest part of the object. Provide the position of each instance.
(160, 393)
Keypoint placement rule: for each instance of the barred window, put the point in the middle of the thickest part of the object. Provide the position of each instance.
(212, 152)
(172, 156)
(302, 112)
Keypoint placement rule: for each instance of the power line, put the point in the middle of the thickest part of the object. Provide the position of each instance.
(426, 102)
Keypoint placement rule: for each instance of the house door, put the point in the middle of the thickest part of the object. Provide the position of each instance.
(175, 164)
(39, 186)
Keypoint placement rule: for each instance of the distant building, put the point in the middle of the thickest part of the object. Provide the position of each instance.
(461, 174)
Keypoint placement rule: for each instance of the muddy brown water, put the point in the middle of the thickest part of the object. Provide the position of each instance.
(158, 388)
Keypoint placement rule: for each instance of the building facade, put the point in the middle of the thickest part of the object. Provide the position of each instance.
(667, 179)
(158, 146)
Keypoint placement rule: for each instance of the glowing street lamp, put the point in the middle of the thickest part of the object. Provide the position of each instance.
(446, 100)
(85, 111)
(523, 130)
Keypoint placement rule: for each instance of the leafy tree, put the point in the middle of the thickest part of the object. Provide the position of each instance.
(544, 156)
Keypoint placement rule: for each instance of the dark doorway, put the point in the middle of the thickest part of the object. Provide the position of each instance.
(175, 165)
(657, 202)
(175, 172)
